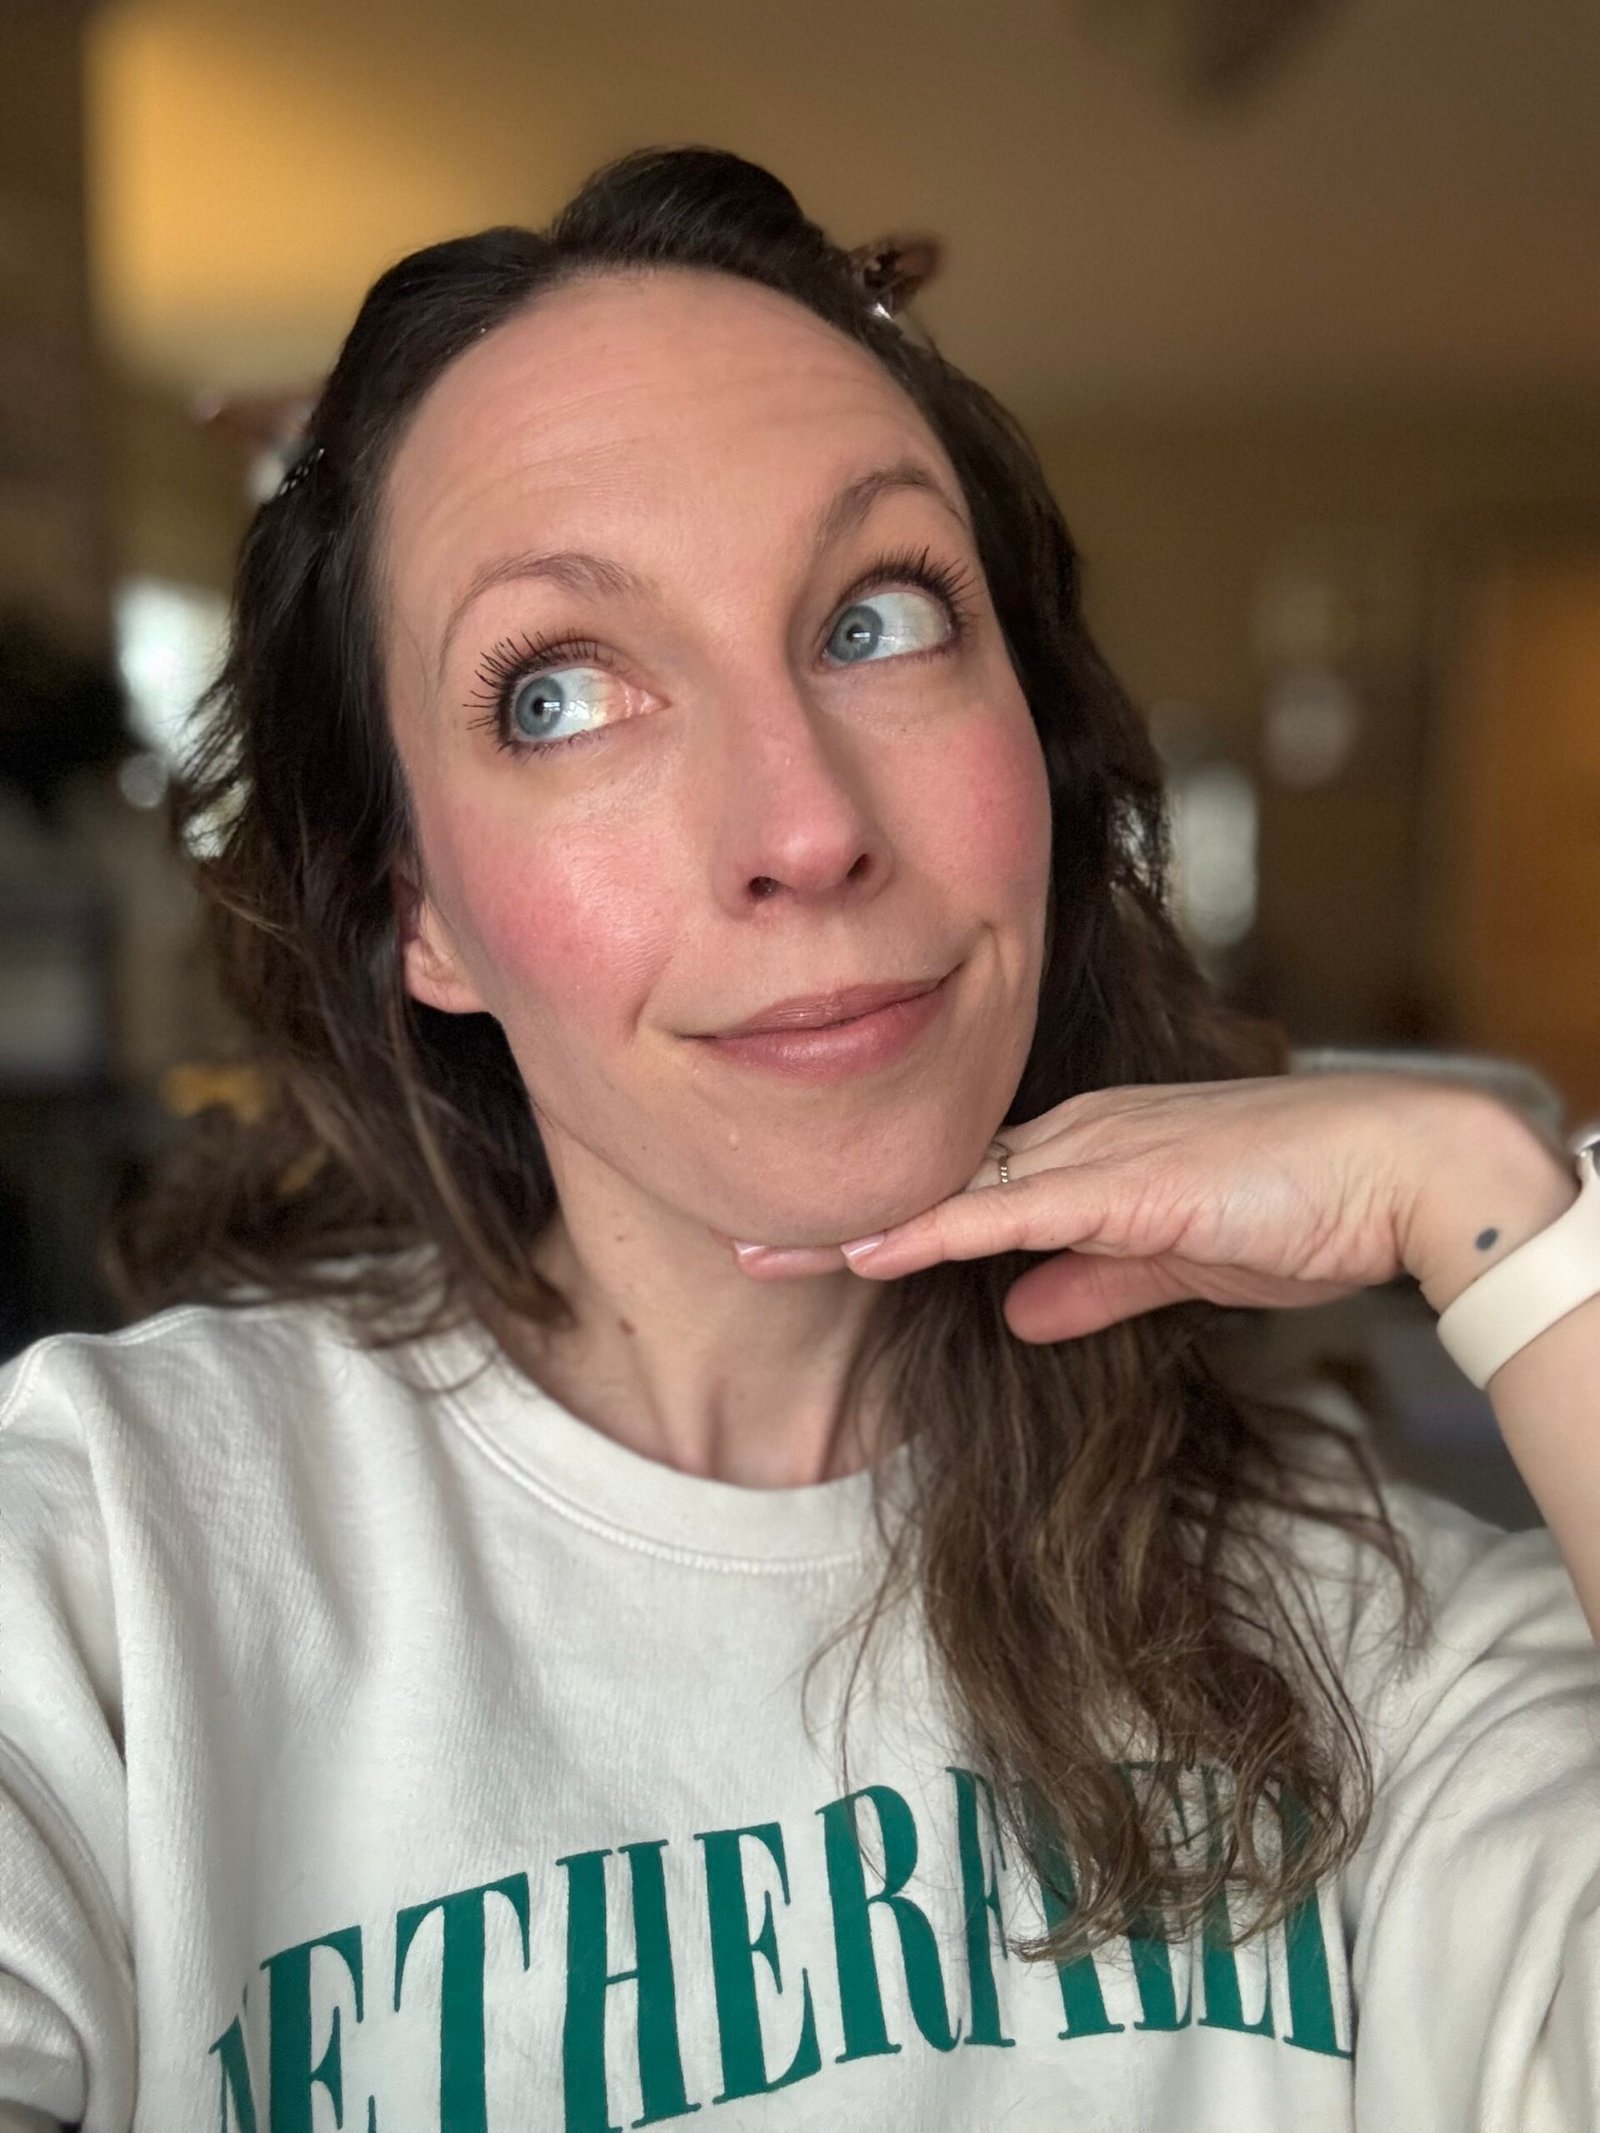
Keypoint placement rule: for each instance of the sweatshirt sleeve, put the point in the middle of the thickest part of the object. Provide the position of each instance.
(1474, 1907)
(67, 2049)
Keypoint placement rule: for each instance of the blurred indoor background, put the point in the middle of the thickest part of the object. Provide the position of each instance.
(1300, 300)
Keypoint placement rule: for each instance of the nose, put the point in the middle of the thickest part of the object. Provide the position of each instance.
(794, 811)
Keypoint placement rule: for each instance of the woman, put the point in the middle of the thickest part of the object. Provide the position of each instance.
(618, 1601)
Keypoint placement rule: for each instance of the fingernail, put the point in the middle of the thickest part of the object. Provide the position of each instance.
(860, 1247)
(749, 1253)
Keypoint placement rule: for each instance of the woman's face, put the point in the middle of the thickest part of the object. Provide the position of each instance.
(762, 761)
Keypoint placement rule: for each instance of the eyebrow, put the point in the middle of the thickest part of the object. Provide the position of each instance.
(577, 571)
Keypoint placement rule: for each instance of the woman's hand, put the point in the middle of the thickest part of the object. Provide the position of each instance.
(1290, 1190)
(1284, 1191)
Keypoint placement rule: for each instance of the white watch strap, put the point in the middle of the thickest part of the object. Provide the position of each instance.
(1532, 1287)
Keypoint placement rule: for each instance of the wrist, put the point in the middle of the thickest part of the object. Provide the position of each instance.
(1492, 1186)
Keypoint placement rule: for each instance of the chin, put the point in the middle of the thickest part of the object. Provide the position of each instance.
(791, 1230)
(830, 1209)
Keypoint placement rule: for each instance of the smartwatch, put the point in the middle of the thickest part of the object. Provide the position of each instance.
(1541, 1281)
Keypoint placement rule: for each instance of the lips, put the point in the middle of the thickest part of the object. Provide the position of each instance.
(820, 1010)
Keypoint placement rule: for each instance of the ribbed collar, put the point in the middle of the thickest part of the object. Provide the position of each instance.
(613, 1489)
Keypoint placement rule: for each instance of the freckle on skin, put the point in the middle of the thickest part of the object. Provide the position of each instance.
(625, 1324)
(1486, 1238)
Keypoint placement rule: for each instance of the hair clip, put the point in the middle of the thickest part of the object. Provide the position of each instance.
(892, 269)
(297, 472)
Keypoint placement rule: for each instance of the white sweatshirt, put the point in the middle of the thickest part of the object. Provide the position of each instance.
(401, 1759)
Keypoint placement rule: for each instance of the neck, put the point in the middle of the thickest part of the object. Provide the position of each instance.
(680, 1356)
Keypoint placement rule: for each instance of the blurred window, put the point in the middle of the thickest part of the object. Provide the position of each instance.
(170, 643)
(1213, 854)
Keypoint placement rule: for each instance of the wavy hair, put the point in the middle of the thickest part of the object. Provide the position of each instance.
(1097, 1539)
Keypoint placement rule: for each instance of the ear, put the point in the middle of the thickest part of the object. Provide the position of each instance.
(432, 964)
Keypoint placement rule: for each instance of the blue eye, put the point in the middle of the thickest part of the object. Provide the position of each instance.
(886, 625)
(542, 692)
(539, 705)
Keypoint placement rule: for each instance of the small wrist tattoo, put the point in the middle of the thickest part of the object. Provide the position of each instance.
(1487, 1239)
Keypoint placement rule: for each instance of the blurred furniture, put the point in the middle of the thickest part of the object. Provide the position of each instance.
(59, 1110)
(1513, 808)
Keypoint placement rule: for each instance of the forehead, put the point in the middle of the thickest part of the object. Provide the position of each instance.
(640, 400)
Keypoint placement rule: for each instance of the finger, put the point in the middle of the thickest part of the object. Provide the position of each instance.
(1070, 1296)
(1075, 1294)
(1038, 1214)
(767, 1262)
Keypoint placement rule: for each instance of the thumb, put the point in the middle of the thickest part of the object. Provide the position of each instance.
(1077, 1293)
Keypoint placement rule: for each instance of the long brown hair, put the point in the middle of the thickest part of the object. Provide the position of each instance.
(1097, 1537)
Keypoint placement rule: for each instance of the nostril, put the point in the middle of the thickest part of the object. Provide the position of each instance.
(763, 885)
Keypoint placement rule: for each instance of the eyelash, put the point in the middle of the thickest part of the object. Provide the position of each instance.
(514, 660)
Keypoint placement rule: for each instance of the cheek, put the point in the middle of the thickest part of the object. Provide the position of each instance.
(986, 812)
(560, 935)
